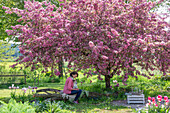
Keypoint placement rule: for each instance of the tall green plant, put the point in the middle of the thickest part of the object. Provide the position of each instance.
(14, 107)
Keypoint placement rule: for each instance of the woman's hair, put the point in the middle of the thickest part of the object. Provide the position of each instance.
(73, 73)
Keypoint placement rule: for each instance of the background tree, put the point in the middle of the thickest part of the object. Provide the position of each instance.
(8, 20)
(6, 51)
(99, 36)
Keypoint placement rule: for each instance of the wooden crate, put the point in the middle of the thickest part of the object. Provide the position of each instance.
(136, 99)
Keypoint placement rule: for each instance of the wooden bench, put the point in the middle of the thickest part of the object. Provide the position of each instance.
(15, 76)
(136, 99)
(55, 94)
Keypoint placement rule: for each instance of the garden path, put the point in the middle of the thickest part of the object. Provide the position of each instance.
(137, 107)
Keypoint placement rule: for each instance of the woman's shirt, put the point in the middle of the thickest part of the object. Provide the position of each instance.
(68, 85)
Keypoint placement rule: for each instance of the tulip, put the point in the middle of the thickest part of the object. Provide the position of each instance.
(153, 98)
(149, 99)
(165, 98)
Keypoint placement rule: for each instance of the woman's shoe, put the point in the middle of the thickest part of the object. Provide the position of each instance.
(76, 102)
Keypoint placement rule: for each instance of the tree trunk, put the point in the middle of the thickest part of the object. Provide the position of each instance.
(60, 66)
(107, 81)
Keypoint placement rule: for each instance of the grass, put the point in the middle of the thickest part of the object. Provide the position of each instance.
(6, 91)
(92, 108)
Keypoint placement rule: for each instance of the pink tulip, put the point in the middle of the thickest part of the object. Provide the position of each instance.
(159, 96)
(149, 98)
(165, 98)
(156, 105)
(153, 98)
(159, 99)
(167, 101)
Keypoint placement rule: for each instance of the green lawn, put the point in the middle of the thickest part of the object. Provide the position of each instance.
(6, 92)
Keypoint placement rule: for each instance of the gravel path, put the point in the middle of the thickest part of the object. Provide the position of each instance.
(124, 103)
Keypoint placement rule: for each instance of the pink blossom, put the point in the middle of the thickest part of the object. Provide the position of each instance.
(57, 73)
(162, 43)
(114, 81)
(141, 41)
(114, 32)
(156, 105)
(153, 51)
(7, 8)
(115, 51)
(157, 43)
(69, 42)
(104, 57)
(91, 44)
(151, 44)
(10, 87)
(144, 49)
(47, 34)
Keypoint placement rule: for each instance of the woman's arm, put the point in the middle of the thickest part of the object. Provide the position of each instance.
(70, 82)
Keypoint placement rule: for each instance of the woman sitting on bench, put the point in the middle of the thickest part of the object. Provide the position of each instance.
(68, 88)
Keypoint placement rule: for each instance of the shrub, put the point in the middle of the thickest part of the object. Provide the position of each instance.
(14, 107)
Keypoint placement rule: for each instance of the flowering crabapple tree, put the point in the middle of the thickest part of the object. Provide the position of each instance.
(114, 36)
(105, 37)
